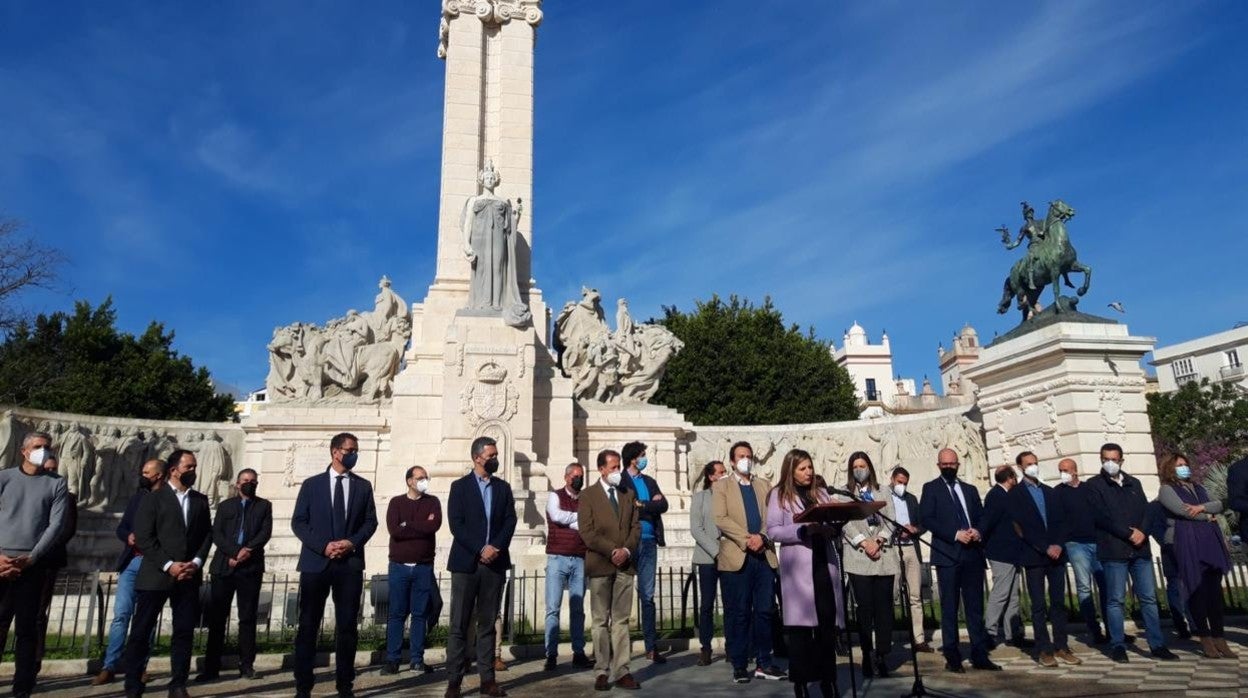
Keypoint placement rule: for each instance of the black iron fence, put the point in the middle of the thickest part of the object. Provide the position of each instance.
(82, 607)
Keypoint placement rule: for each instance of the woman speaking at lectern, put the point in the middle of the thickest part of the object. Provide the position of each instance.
(809, 576)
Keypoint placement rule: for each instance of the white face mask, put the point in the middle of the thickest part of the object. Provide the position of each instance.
(899, 490)
(38, 456)
(613, 479)
(1066, 478)
(422, 485)
(1032, 471)
(743, 466)
(1111, 468)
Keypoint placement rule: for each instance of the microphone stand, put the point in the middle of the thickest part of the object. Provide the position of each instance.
(917, 689)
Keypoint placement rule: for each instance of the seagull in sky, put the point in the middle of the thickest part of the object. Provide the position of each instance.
(1117, 305)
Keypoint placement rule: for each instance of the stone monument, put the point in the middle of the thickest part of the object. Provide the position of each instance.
(1063, 382)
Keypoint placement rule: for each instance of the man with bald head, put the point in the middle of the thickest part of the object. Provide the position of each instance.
(1081, 545)
(951, 510)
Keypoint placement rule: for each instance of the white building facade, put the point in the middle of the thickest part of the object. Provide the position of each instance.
(1218, 357)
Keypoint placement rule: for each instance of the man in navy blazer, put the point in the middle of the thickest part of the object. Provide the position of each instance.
(1040, 521)
(481, 512)
(950, 509)
(334, 517)
(1001, 549)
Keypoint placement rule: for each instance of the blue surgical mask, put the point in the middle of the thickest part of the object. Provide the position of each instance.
(642, 463)
(1183, 472)
(349, 459)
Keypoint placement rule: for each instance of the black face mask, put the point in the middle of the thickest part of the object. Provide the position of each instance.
(188, 479)
(248, 489)
(146, 483)
(491, 466)
(950, 474)
(577, 483)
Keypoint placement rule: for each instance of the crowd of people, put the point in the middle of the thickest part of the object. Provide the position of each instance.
(756, 547)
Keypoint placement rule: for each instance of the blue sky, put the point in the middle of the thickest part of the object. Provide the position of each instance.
(230, 167)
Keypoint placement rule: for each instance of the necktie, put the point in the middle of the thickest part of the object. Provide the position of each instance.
(242, 521)
(340, 509)
(615, 503)
(872, 520)
(957, 505)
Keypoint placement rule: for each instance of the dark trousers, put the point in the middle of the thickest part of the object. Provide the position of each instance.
(749, 596)
(23, 597)
(1207, 606)
(183, 600)
(1054, 611)
(874, 596)
(246, 585)
(473, 594)
(708, 581)
(962, 582)
(346, 585)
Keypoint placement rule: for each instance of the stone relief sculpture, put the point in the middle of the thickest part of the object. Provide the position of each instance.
(353, 358)
(489, 227)
(211, 455)
(624, 366)
(77, 457)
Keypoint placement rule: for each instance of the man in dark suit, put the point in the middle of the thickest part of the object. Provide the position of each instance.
(651, 505)
(1001, 548)
(334, 517)
(1237, 494)
(610, 526)
(482, 515)
(1040, 521)
(950, 509)
(240, 531)
(174, 530)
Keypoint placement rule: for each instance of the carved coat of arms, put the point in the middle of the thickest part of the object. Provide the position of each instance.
(491, 397)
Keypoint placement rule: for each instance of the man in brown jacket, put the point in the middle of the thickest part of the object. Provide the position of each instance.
(610, 527)
(747, 564)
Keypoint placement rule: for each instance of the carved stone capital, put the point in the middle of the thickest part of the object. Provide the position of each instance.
(495, 12)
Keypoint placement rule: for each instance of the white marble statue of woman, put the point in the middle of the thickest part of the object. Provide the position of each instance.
(489, 227)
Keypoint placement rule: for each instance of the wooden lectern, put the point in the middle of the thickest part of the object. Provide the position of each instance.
(838, 512)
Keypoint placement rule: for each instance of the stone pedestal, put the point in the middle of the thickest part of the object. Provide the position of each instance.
(666, 434)
(1063, 390)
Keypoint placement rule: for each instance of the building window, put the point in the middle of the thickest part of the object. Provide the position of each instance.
(1232, 358)
(1183, 371)
(872, 395)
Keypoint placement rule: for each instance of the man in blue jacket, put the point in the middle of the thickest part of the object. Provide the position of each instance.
(1001, 549)
(334, 517)
(481, 511)
(651, 505)
(950, 510)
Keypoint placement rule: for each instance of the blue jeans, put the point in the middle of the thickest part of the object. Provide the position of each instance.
(1145, 585)
(1176, 592)
(647, 566)
(749, 596)
(708, 578)
(410, 591)
(1087, 569)
(565, 572)
(123, 610)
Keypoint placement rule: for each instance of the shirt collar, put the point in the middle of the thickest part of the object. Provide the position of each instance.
(606, 486)
(742, 481)
(573, 495)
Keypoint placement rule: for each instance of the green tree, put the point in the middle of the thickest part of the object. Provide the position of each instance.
(742, 365)
(1206, 421)
(81, 363)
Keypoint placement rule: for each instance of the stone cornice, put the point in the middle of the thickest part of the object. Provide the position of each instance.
(1061, 384)
(489, 12)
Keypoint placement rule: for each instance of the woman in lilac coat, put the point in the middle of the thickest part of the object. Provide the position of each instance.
(809, 576)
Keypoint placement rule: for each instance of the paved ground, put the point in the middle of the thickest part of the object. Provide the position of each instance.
(1194, 677)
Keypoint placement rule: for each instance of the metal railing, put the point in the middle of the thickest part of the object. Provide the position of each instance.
(82, 610)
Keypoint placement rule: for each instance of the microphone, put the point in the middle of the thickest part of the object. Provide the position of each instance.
(843, 493)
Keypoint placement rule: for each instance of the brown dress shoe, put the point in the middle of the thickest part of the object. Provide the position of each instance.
(491, 688)
(1224, 649)
(924, 647)
(499, 664)
(704, 658)
(602, 683)
(145, 678)
(627, 682)
(1046, 660)
(452, 691)
(105, 676)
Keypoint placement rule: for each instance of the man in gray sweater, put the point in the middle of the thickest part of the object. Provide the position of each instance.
(32, 512)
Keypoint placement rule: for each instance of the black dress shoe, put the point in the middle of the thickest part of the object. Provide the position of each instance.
(389, 668)
(881, 667)
(1164, 654)
(178, 692)
(1119, 655)
(248, 673)
(868, 668)
(422, 668)
(986, 665)
(550, 664)
(581, 661)
(207, 676)
(955, 667)
(1022, 643)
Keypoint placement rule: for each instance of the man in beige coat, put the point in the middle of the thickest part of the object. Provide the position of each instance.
(610, 527)
(747, 564)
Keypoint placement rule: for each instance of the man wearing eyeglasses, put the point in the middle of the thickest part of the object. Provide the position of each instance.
(1122, 547)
